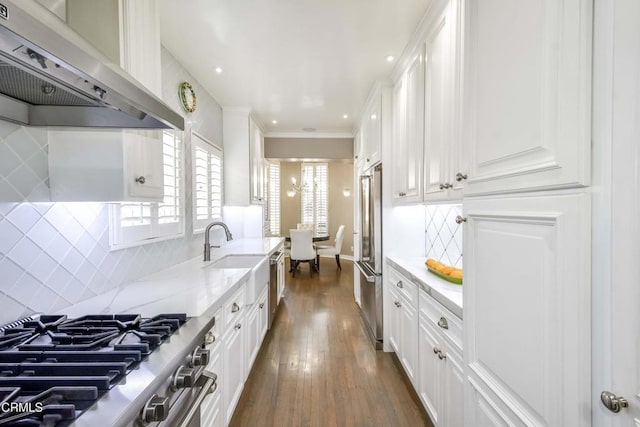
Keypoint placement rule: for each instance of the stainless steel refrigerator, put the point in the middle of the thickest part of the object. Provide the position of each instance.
(370, 262)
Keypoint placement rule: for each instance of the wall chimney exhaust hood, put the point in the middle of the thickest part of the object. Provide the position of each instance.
(51, 76)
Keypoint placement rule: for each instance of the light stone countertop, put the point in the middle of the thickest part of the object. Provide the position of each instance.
(191, 287)
(446, 293)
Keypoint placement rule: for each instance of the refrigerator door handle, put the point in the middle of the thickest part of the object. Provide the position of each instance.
(370, 278)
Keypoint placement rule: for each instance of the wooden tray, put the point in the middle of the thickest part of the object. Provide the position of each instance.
(445, 277)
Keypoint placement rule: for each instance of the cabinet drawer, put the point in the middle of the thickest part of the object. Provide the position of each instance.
(233, 308)
(443, 319)
(404, 286)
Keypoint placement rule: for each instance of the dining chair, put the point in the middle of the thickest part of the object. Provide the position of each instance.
(332, 250)
(302, 250)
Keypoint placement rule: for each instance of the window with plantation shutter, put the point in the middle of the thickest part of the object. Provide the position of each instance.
(136, 223)
(207, 182)
(315, 203)
(273, 198)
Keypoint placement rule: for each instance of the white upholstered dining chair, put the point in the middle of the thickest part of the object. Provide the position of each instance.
(332, 250)
(302, 250)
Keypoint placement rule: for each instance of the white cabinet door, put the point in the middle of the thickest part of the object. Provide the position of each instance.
(430, 383)
(439, 108)
(233, 372)
(527, 303)
(371, 131)
(281, 276)
(409, 341)
(144, 173)
(452, 386)
(252, 345)
(408, 134)
(393, 315)
(263, 316)
(527, 94)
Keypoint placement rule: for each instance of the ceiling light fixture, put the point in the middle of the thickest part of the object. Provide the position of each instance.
(389, 58)
(345, 116)
(295, 188)
(373, 117)
(275, 122)
(218, 70)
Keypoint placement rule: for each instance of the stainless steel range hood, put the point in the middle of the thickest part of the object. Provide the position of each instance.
(50, 76)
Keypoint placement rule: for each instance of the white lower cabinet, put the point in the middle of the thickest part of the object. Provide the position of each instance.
(257, 323)
(233, 367)
(527, 308)
(441, 378)
(427, 339)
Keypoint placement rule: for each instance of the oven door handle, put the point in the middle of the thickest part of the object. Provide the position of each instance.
(209, 387)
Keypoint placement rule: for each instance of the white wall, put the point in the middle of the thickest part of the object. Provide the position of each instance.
(53, 255)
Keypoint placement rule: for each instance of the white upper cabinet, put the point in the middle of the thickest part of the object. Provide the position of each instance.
(527, 94)
(374, 128)
(442, 151)
(244, 157)
(113, 165)
(408, 113)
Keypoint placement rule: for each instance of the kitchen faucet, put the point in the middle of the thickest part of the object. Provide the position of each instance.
(207, 246)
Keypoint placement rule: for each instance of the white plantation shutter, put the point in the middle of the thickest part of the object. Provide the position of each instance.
(321, 198)
(133, 223)
(315, 201)
(207, 182)
(273, 200)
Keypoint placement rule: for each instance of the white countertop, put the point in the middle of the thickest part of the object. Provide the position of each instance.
(446, 293)
(191, 287)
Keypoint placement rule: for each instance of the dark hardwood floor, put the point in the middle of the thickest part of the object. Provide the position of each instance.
(317, 367)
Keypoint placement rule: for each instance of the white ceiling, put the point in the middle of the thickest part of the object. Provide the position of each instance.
(304, 63)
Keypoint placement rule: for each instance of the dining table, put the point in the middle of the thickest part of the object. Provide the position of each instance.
(314, 238)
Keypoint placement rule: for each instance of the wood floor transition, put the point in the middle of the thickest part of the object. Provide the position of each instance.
(317, 367)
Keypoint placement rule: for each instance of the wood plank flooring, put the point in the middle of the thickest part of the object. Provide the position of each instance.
(317, 366)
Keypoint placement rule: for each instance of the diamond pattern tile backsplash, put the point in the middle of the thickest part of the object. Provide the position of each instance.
(443, 235)
(53, 255)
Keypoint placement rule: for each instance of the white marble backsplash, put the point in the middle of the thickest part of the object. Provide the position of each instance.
(54, 255)
(443, 236)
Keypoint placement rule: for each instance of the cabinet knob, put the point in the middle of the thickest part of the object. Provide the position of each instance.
(261, 305)
(460, 219)
(613, 402)
(461, 176)
(402, 194)
(445, 186)
(141, 179)
(436, 350)
(368, 160)
(441, 356)
(399, 284)
(443, 323)
(210, 338)
(235, 308)
(397, 304)
(238, 326)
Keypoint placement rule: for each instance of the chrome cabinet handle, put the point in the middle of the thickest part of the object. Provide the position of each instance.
(445, 186)
(460, 219)
(141, 180)
(460, 176)
(402, 194)
(261, 305)
(397, 304)
(436, 350)
(613, 402)
(238, 326)
(399, 284)
(441, 356)
(443, 323)
(235, 308)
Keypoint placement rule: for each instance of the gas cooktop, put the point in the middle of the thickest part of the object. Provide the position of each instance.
(53, 368)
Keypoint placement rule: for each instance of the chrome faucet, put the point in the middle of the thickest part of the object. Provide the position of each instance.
(207, 245)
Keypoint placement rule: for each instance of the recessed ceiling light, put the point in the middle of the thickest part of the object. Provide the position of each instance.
(389, 58)
(218, 70)
(275, 122)
(373, 117)
(345, 116)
